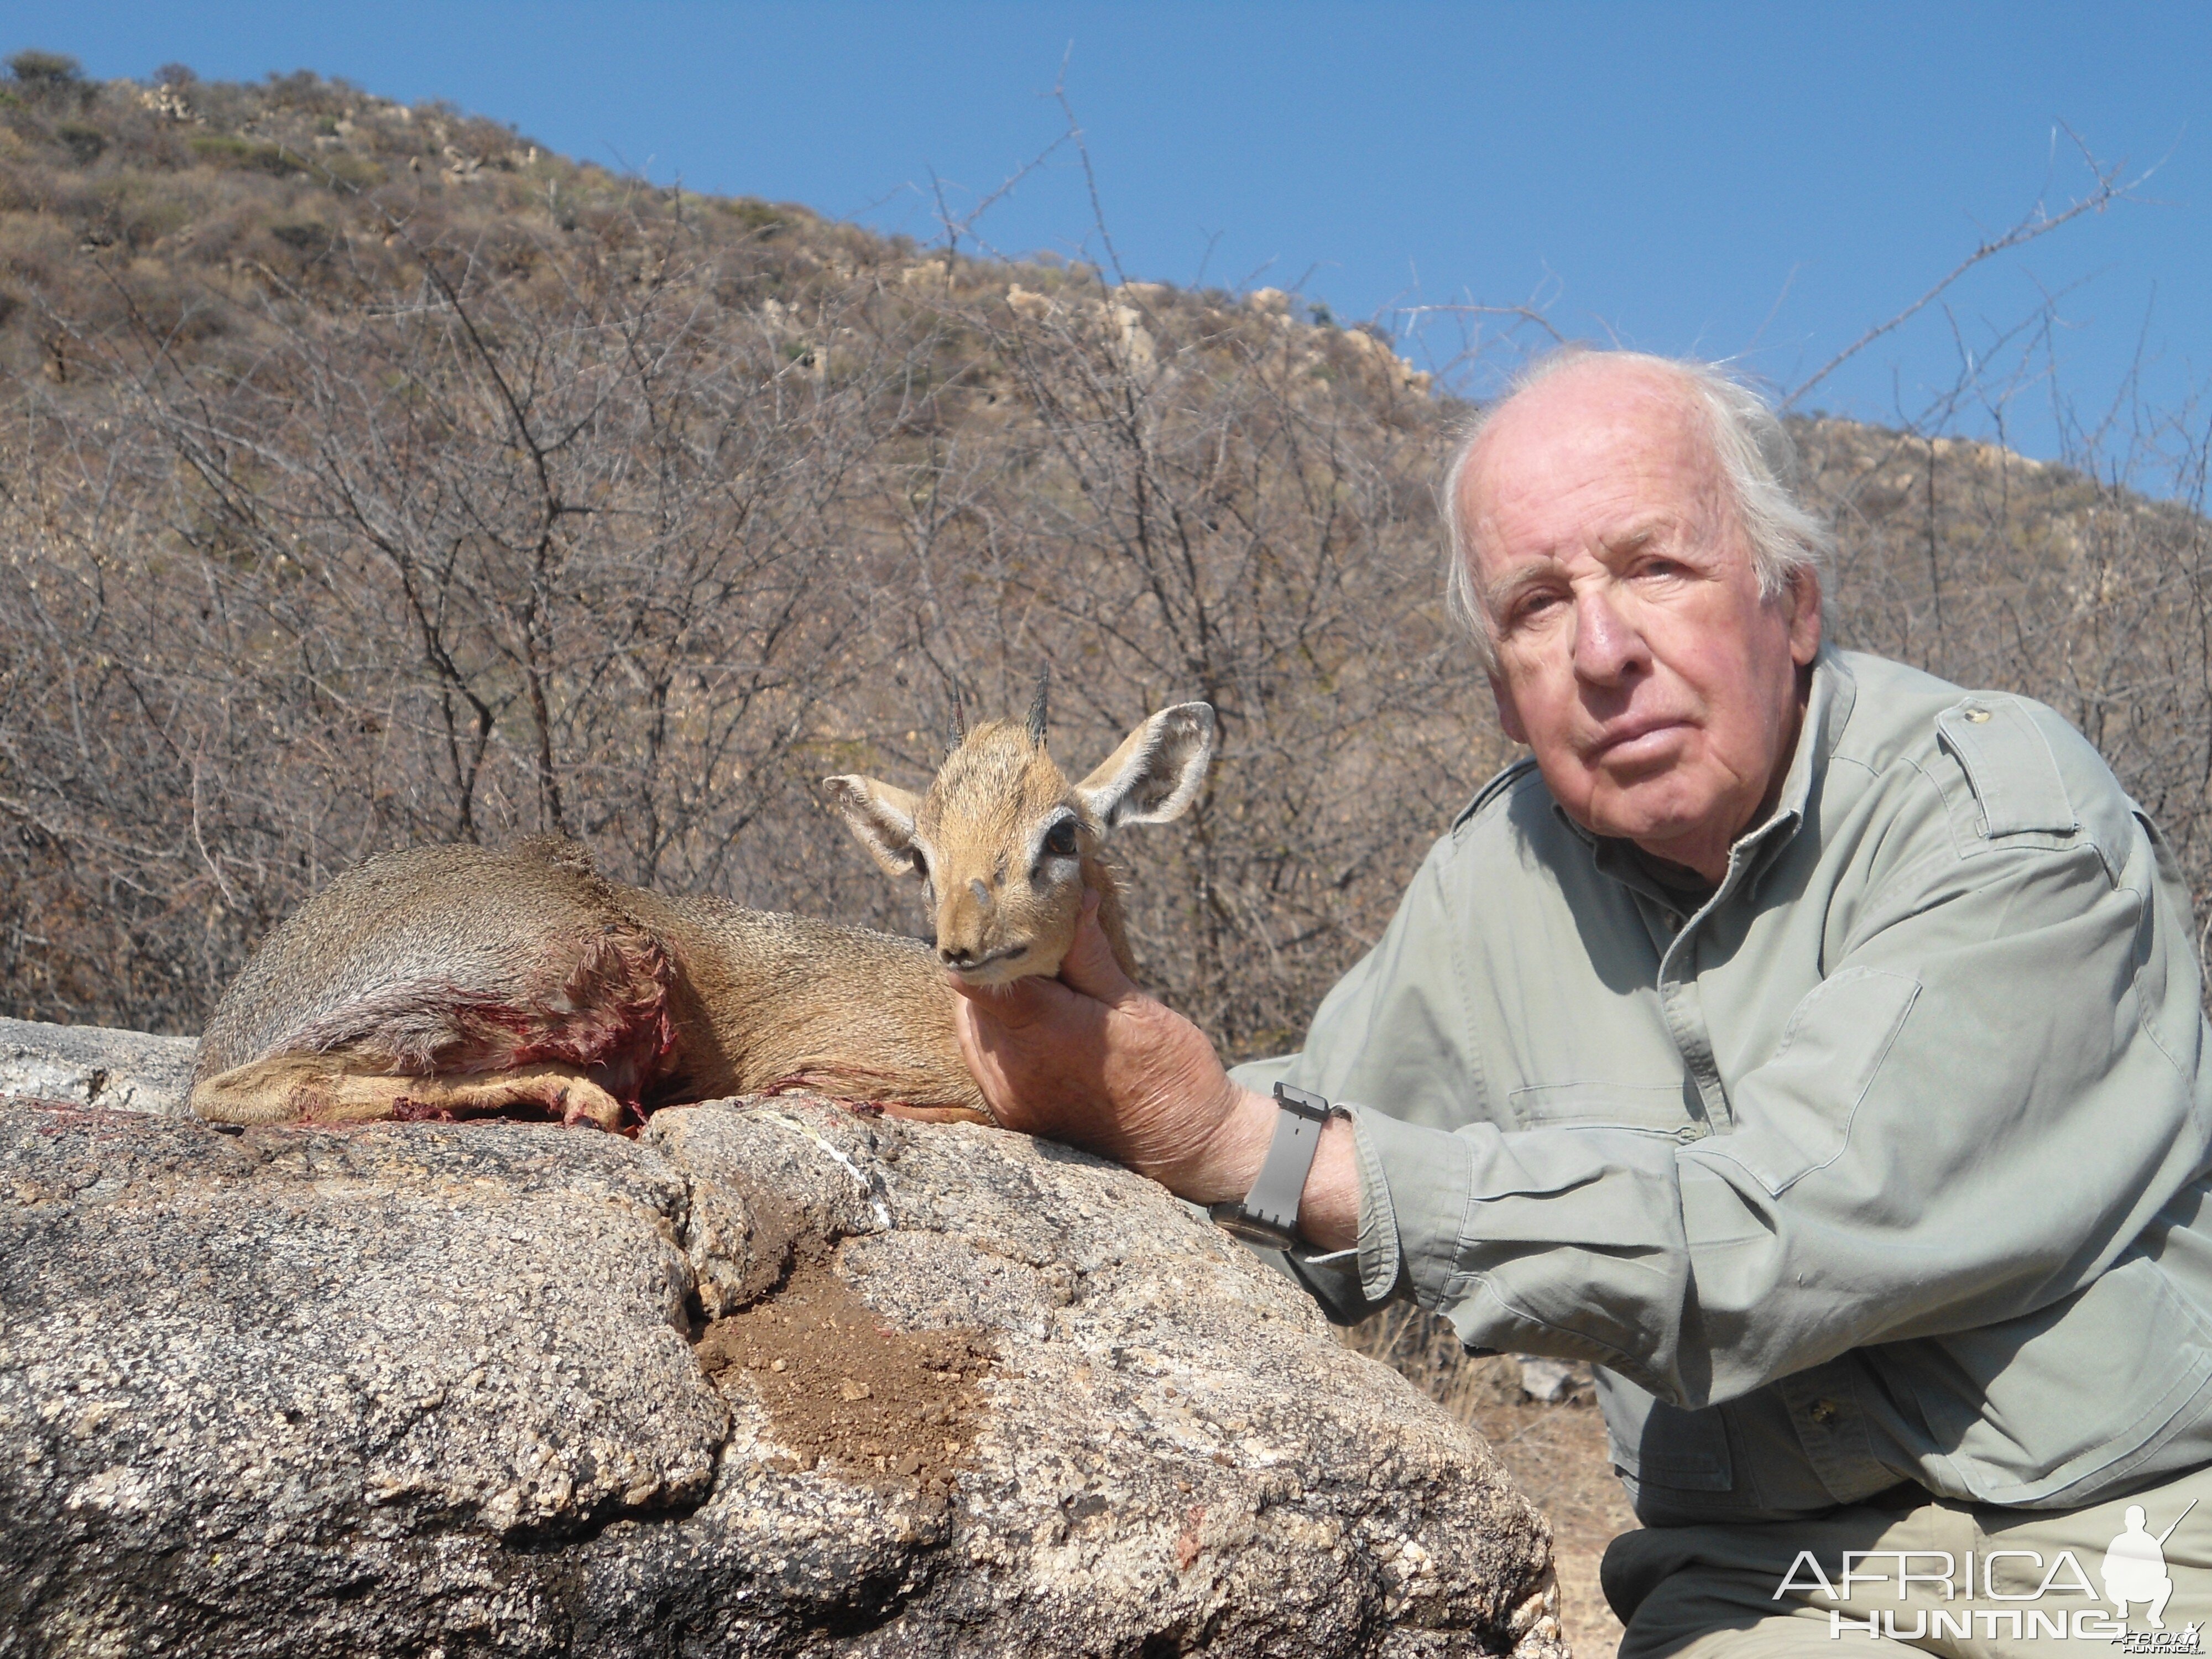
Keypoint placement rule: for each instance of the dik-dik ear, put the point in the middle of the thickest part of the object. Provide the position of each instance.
(1157, 771)
(881, 817)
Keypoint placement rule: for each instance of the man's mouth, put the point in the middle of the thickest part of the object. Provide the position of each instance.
(1636, 740)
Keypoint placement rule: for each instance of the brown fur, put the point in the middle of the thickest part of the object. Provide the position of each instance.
(449, 981)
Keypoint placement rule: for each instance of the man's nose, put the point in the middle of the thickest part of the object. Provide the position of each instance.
(1608, 647)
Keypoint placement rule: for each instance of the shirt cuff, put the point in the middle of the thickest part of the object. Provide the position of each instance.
(1351, 1284)
(1416, 1186)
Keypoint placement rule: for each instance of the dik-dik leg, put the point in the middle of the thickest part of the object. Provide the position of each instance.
(332, 1089)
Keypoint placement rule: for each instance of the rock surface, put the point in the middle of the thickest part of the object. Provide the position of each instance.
(94, 1066)
(775, 1378)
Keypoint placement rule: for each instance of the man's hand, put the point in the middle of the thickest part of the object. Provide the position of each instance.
(1091, 1059)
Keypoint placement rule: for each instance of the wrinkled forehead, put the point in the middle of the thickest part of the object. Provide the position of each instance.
(1606, 443)
(991, 790)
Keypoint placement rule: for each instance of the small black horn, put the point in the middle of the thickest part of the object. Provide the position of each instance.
(1038, 705)
(959, 720)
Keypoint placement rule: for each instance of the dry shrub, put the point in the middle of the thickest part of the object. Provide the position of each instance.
(632, 516)
(1996, 571)
(497, 494)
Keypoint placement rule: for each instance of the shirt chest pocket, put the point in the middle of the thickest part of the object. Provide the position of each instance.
(1660, 1108)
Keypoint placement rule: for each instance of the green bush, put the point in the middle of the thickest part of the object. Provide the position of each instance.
(42, 72)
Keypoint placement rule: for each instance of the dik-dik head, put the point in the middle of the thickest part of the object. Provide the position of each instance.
(1004, 845)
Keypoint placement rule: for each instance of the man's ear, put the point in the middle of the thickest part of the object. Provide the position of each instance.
(1509, 716)
(1804, 614)
(881, 818)
(1155, 773)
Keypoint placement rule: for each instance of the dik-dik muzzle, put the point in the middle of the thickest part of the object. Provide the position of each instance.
(1005, 845)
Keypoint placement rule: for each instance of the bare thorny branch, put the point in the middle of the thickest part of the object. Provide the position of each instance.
(2111, 186)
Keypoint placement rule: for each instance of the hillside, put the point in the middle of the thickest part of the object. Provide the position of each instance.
(379, 478)
(373, 475)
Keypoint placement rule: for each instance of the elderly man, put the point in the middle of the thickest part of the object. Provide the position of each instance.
(1812, 1045)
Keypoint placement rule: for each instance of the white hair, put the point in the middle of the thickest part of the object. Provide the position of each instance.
(1758, 460)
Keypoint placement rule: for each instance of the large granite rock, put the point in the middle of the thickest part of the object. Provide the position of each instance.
(777, 1378)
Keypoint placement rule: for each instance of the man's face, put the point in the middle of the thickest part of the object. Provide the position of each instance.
(1635, 655)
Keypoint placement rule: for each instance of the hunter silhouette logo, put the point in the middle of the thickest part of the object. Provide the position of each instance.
(2135, 1566)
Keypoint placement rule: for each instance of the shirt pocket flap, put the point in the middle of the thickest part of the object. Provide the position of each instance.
(1794, 1114)
(1660, 1107)
(2008, 766)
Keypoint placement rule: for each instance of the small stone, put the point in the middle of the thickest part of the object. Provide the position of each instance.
(848, 1389)
(776, 1364)
(1550, 1381)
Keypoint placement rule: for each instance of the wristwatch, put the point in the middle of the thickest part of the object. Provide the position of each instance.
(1268, 1214)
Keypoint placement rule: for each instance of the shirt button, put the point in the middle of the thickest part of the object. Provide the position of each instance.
(1823, 1412)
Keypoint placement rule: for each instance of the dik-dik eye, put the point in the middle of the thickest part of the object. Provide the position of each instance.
(1059, 840)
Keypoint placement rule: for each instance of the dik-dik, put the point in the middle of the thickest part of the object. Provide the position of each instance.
(444, 981)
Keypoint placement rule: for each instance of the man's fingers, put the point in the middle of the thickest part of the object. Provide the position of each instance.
(1089, 966)
(1016, 1004)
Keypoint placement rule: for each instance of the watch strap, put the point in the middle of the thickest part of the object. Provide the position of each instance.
(1269, 1212)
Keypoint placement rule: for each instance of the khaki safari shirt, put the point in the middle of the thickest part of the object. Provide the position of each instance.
(1886, 1163)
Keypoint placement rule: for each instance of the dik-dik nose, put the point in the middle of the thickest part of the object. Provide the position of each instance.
(964, 929)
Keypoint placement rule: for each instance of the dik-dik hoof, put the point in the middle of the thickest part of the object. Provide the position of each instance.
(311, 1090)
(561, 1092)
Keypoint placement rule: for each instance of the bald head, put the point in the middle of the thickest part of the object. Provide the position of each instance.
(1610, 422)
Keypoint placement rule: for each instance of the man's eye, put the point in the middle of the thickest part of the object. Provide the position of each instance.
(1535, 605)
(1059, 840)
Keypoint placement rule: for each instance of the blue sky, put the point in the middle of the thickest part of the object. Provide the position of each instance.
(1753, 181)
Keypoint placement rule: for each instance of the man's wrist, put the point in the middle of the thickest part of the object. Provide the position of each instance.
(1231, 1158)
(1328, 1207)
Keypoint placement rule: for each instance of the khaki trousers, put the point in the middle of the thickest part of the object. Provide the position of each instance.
(1921, 1575)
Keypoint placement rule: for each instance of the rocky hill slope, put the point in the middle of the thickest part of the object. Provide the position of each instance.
(369, 474)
